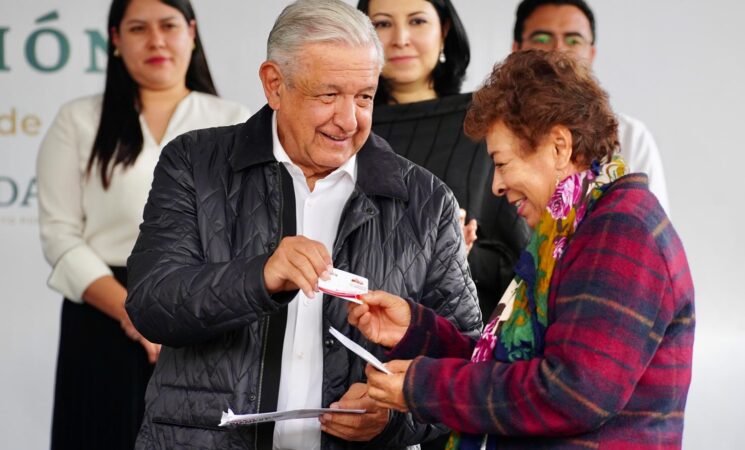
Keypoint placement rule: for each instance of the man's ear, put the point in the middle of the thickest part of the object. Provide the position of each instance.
(561, 137)
(515, 46)
(271, 81)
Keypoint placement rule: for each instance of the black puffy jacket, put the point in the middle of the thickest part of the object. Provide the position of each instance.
(218, 207)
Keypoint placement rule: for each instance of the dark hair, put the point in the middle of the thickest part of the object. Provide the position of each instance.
(532, 90)
(527, 7)
(448, 76)
(119, 137)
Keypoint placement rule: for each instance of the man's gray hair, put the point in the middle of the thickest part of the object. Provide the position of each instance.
(319, 21)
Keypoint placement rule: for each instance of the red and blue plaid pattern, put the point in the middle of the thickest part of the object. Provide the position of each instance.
(616, 367)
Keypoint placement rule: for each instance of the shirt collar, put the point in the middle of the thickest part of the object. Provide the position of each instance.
(349, 167)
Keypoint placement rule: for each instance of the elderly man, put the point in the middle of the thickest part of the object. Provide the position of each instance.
(569, 25)
(242, 222)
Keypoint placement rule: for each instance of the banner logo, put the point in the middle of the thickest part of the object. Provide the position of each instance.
(60, 56)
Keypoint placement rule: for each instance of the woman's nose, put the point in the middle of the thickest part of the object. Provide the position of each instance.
(498, 187)
(401, 36)
(155, 38)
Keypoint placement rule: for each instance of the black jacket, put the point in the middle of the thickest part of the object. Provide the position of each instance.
(217, 209)
(430, 133)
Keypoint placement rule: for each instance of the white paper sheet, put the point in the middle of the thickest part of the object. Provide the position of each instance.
(229, 418)
(358, 350)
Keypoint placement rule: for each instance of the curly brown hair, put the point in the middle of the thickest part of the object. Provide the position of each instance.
(532, 91)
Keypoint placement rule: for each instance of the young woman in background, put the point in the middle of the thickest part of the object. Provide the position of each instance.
(94, 171)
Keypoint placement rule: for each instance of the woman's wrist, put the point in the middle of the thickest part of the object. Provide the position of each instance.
(107, 295)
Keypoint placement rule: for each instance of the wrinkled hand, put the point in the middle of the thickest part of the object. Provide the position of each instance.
(469, 231)
(152, 350)
(388, 390)
(383, 318)
(355, 427)
(297, 263)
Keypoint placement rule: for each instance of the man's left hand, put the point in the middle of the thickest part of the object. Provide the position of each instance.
(388, 389)
(355, 427)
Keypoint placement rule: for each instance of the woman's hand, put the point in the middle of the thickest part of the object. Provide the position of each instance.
(152, 350)
(383, 318)
(108, 295)
(469, 231)
(388, 390)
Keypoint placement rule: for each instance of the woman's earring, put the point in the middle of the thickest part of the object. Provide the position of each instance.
(116, 52)
(442, 57)
(193, 45)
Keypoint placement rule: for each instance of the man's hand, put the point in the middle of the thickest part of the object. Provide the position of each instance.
(388, 390)
(383, 318)
(355, 427)
(297, 263)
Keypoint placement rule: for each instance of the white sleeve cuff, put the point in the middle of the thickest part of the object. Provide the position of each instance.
(75, 271)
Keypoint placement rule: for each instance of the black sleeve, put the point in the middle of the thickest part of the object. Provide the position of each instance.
(176, 297)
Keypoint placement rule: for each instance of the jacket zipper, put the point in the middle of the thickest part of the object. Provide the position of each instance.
(264, 333)
(265, 321)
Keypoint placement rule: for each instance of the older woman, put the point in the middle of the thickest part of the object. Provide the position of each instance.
(591, 345)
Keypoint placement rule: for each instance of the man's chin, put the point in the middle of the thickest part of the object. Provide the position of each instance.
(335, 157)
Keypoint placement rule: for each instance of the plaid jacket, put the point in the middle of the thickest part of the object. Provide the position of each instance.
(617, 362)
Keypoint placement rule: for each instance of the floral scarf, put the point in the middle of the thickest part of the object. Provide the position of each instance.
(516, 330)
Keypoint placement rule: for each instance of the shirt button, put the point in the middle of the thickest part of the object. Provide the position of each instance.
(252, 397)
(306, 301)
(328, 342)
(300, 355)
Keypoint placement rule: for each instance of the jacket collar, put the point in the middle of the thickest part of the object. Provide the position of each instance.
(378, 168)
(630, 181)
(253, 141)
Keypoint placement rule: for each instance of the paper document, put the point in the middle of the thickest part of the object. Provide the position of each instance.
(229, 418)
(361, 352)
(345, 285)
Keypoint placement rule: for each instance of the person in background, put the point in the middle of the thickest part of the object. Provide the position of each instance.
(591, 345)
(569, 26)
(419, 110)
(242, 222)
(94, 171)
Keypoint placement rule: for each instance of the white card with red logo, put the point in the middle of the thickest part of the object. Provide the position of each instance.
(345, 285)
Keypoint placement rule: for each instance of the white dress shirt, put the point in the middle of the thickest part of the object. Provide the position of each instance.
(84, 228)
(640, 152)
(318, 214)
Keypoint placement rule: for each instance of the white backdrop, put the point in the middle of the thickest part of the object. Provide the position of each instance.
(675, 64)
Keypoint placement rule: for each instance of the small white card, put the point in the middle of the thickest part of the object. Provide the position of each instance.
(345, 285)
(358, 350)
(229, 418)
